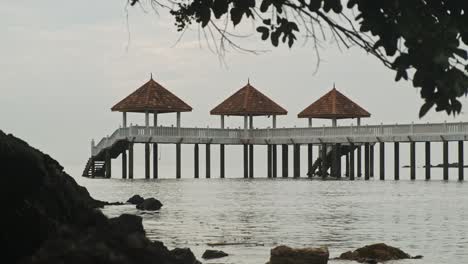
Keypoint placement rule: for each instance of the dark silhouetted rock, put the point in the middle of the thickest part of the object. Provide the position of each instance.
(375, 253)
(213, 254)
(287, 255)
(150, 204)
(135, 199)
(184, 256)
(47, 218)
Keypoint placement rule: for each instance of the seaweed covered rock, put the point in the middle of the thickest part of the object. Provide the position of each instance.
(135, 199)
(375, 252)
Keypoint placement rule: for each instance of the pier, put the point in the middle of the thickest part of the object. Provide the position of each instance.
(355, 144)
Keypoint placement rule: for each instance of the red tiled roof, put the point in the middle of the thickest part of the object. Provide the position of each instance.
(333, 105)
(152, 97)
(248, 101)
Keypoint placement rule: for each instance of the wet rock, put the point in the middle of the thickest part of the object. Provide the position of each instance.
(150, 204)
(213, 254)
(135, 199)
(128, 223)
(287, 255)
(184, 256)
(375, 253)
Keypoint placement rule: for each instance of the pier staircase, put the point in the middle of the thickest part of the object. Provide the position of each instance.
(316, 166)
(99, 169)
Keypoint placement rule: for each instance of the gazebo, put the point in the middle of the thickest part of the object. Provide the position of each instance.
(151, 98)
(333, 105)
(249, 102)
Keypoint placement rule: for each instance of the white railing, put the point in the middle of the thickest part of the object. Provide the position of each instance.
(282, 133)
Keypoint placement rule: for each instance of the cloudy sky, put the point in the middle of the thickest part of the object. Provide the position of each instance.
(64, 64)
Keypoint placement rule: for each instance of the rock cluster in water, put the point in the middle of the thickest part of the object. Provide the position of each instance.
(149, 204)
(48, 218)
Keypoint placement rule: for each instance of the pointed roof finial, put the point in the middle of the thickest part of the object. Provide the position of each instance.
(151, 75)
(248, 80)
(334, 85)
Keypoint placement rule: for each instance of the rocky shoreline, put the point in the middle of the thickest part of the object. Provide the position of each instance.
(48, 218)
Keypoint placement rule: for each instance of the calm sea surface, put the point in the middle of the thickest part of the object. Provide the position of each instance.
(427, 218)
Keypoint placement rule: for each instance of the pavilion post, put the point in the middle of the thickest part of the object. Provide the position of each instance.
(366, 161)
(382, 161)
(310, 122)
(124, 121)
(222, 121)
(251, 160)
(147, 161)
(428, 160)
(347, 165)
(124, 164)
(208, 161)
(178, 122)
(371, 162)
(461, 164)
(413, 160)
(324, 160)
(246, 160)
(297, 160)
(446, 160)
(396, 153)
(359, 161)
(309, 159)
(155, 161)
(275, 160)
(221, 161)
(196, 161)
(269, 161)
(285, 160)
(178, 161)
(130, 160)
(351, 162)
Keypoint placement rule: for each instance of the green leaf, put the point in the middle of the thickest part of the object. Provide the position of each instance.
(425, 108)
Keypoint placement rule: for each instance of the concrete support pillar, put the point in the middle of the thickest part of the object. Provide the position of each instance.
(246, 161)
(251, 161)
(297, 161)
(251, 122)
(208, 161)
(309, 159)
(371, 161)
(221, 161)
(334, 123)
(446, 160)
(275, 161)
(351, 162)
(124, 119)
(222, 121)
(324, 160)
(130, 160)
(147, 161)
(396, 153)
(285, 160)
(382, 161)
(366, 161)
(461, 163)
(108, 164)
(269, 162)
(347, 165)
(178, 161)
(155, 161)
(310, 122)
(428, 160)
(246, 126)
(413, 160)
(273, 125)
(124, 164)
(196, 161)
(359, 160)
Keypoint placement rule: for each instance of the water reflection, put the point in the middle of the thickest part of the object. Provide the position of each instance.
(428, 218)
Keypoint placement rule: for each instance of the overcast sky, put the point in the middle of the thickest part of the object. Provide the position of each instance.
(64, 64)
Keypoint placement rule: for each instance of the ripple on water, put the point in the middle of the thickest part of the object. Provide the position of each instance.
(427, 218)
